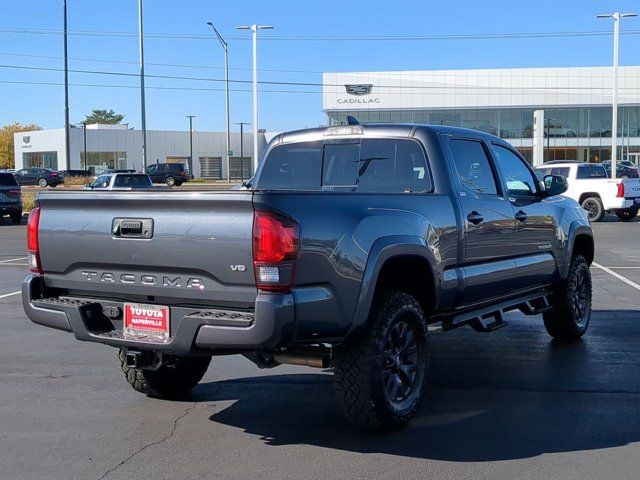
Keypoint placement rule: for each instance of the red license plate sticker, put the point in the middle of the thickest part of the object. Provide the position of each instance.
(147, 320)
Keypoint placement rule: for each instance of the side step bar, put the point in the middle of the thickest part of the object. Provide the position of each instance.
(491, 318)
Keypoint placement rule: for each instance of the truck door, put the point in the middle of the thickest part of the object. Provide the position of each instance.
(535, 219)
(488, 230)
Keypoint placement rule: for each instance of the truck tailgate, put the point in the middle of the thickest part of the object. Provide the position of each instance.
(631, 187)
(196, 247)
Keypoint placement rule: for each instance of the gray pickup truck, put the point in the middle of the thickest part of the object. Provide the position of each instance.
(349, 245)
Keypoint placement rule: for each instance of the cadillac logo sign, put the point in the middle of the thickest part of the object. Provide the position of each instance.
(358, 90)
(26, 139)
(361, 89)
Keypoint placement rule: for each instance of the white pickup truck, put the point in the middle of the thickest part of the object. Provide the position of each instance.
(590, 186)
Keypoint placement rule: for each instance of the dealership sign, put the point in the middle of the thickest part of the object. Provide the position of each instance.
(26, 140)
(358, 91)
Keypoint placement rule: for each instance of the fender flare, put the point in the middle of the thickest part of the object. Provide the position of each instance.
(575, 228)
(382, 250)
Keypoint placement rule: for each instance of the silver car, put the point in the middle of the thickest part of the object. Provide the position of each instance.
(120, 181)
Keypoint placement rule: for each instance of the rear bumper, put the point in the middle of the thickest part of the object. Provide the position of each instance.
(193, 330)
(621, 203)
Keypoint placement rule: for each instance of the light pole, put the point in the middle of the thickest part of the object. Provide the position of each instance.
(191, 117)
(67, 143)
(254, 31)
(614, 114)
(225, 46)
(242, 124)
(142, 106)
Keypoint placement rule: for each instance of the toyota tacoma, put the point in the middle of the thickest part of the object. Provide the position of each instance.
(350, 244)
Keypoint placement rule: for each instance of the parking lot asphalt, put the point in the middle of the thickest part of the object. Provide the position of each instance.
(507, 405)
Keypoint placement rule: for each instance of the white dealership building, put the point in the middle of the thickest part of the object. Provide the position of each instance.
(576, 103)
(100, 147)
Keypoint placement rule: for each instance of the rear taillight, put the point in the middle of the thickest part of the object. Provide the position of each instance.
(275, 249)
(54, 174)
(33, 244)
(620, 193)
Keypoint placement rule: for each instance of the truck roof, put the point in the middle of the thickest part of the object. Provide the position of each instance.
(375, 130)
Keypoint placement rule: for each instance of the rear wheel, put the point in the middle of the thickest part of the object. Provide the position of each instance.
(380, 377)
(16, 217)
(42, 182)
(172, 380)
(627, 214)
(170, 181)
(569, 317)
(594, 207)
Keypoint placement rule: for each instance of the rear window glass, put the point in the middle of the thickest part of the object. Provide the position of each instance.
(473, 167)
(175, 167)
(340, 165)
(132, 181)
(591, 171)
(295, 166)
(392, 166)
(7, 180)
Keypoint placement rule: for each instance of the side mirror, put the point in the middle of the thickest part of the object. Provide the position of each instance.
(555, 185)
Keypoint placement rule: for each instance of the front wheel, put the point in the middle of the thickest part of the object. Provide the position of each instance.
(594, 208)
(569, 317)
(627, 214)
(172, 380)
(380, 377)
(170, 181)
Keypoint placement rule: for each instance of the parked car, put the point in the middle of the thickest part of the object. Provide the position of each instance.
(350, 243)
(75, 173)
(120, 181)
(590, 186)
(624, 169)
(42, 177)
(10, 197)
(169, 173)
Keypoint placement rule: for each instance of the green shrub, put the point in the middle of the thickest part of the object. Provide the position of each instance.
(28, 201)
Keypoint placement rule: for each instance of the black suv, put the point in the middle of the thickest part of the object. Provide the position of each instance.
(169, 173)
(10, 197)
(43, 177)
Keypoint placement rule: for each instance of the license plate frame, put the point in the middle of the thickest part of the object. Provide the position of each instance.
(147, 320)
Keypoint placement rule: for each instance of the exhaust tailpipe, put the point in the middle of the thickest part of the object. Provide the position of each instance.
(316, 361)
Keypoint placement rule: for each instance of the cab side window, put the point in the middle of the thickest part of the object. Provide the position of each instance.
(517, 176)
(473, 167)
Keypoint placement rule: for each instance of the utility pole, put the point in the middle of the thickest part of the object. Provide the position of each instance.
(614, 104)
(242, 124)
(254, 31)
(142, 106)
(225, 46)
(67, 143)
(191, 117)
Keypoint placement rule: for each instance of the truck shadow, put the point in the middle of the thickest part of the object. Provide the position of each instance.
(510, 395)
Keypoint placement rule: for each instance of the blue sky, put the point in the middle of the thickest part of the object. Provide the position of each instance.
(166, 109)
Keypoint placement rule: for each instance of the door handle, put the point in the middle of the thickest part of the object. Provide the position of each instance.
(521, 216)
(475, 218)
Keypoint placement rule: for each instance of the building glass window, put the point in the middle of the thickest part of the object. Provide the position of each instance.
(40, 160)
(98, 162)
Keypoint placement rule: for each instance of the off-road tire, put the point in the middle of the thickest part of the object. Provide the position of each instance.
(565, 320)
(16, 217)
(172, 380)
(43, 182)
(627, 214)
(360, 368)
(594, 207)
(170, 181)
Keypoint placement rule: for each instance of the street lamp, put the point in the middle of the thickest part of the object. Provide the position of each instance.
(614, 115)
(242, 124)
(225, 46)
(254, 30)
(143, 113)
(67, 142)
(191, 117)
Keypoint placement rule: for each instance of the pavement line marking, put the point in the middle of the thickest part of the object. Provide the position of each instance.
(13, 264)
(10, 294)
(13, 259)
(617, 275)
